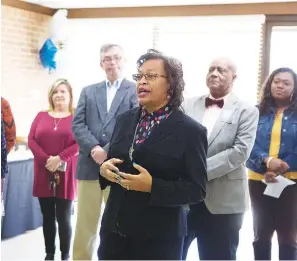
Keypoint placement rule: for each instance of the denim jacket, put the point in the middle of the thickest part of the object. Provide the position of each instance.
(288, 146)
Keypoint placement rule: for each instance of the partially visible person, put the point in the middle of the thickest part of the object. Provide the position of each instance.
(9, 124)
(55, 156)
(231, 124)
(274, 154)
(98, 108)
(3, 153)
(8, 139)
(156, 167)
(3, 163)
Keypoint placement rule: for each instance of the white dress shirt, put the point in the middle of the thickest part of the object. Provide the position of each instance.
(211, 115)
(111, 91)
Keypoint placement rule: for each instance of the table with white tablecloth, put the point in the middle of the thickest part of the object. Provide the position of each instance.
(22, 210)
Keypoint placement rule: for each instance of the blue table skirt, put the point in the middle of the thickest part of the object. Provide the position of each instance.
(22, 210)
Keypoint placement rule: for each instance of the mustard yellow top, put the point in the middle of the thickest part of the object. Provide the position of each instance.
(275, 144)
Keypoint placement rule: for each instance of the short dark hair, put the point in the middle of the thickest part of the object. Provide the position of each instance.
(174, 72)
(267, 101)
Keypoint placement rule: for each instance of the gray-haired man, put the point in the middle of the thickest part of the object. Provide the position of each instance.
(231, 126)
(98, 107)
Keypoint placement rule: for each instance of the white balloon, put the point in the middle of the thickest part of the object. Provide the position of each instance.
(59, 26)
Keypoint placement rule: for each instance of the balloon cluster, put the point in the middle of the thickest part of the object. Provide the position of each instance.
(56, 41)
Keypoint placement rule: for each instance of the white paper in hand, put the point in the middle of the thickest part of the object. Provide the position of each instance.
(276, 189)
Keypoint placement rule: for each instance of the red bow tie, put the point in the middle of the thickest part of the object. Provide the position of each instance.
(210, 102)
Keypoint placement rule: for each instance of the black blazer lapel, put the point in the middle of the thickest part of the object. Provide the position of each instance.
(166, 129)
(124, 133)
(133, 122)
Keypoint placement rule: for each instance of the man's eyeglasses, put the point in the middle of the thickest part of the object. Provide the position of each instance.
(147, 76)
(116, 58)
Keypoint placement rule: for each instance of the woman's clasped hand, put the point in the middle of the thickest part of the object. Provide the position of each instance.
(141, 182)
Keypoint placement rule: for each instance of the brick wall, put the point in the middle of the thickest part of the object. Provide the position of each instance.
(24, 81)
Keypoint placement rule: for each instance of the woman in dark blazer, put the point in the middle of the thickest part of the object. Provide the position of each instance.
(156, 167)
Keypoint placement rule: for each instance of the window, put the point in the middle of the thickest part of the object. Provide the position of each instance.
(193, 40)
(280, 39)
(283, 52)
(196, 41)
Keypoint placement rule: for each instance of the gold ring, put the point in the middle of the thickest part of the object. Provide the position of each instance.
(127, 187)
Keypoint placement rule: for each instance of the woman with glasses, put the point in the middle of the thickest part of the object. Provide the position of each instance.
(156, 167)
(275, 154)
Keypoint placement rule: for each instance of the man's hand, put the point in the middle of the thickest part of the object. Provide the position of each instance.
(98, 154)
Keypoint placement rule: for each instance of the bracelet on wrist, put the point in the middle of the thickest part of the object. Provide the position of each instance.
(268, 162)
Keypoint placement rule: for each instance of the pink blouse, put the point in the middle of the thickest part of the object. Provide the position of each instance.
(44, 142)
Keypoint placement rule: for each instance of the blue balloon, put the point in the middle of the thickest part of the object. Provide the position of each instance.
(47, 55)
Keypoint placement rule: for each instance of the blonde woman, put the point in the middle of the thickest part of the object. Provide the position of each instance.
(55, 155)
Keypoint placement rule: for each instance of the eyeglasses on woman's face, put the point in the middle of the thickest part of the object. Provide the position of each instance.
(147, 76)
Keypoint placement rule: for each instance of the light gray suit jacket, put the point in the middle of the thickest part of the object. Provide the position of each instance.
(92, 125)
(229, 147)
